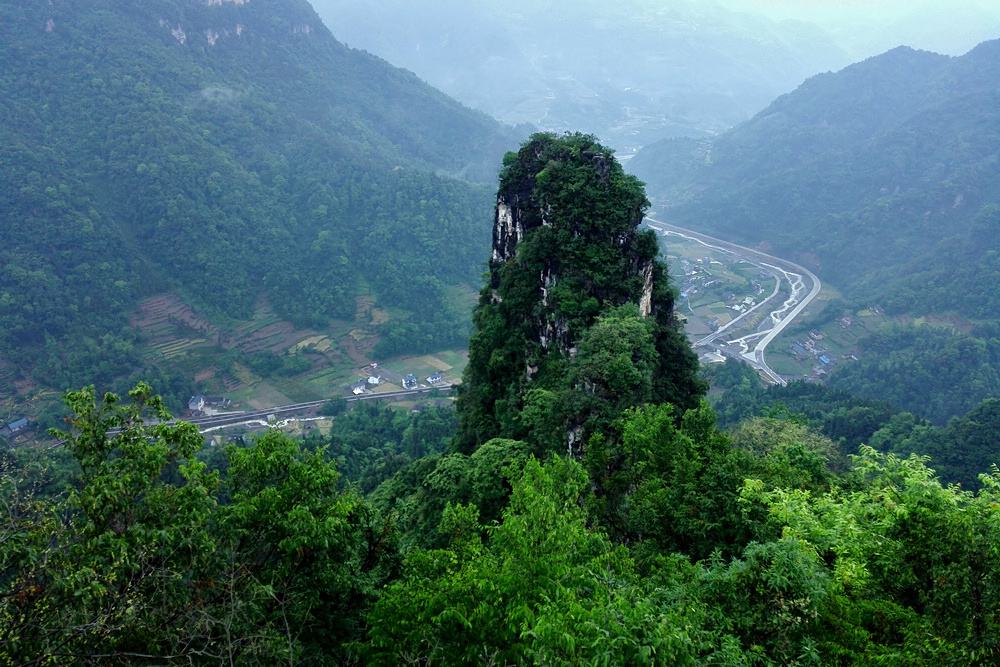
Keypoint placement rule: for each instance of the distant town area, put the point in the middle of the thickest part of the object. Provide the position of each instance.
(735, 301)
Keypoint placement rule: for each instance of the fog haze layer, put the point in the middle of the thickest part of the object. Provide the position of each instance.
(867, 27)
(631, 72)
(638, 71)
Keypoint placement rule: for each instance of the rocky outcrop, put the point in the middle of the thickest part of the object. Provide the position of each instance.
(567, 248)
(521, 208)
(507, 231)
(646, 300)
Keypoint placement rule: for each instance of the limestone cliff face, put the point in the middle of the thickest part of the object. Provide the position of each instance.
(567, 248)
(209, 24)
(522, 207)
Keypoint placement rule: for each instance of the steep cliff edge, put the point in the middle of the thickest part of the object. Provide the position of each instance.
(568, 255)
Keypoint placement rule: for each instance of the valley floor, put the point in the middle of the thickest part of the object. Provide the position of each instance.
(737, 300)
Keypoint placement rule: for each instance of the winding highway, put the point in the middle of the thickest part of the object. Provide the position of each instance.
(790, 277)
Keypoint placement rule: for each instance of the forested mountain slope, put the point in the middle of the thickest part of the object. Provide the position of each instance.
(228, 151)
(884, 179)
(889, 163)
(659, 540)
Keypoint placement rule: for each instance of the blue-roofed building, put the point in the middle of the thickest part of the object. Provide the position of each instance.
(825, 360)
(15, 427)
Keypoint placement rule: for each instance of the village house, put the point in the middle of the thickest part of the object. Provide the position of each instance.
(16, 427)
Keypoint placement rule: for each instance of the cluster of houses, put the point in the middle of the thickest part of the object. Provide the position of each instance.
(813, 346)
(743, 306)
(366, 385)
(208, 405)
(698, 278)
(407, 382)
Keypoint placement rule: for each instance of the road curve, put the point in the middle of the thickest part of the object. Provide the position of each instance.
(718, 333)
(757, 355)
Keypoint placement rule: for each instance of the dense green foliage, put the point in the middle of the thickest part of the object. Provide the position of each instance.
(958, 451)
(656, 539)
(371, 441)
(861, 573)
(560, 345)
(230, 152)
(150, 557)
(930, 371)
(959, 276)
(739, 394)
(703, 548)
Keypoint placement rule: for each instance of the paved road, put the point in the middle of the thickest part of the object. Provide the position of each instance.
(286, 410)
(721, 330)
(233, 418)
(781, 317)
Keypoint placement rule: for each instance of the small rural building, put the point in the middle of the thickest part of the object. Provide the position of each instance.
(215, 405)
(17, 426)
(434, 378)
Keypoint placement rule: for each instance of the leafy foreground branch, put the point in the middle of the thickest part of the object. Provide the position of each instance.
(681, 546)
(151, 557)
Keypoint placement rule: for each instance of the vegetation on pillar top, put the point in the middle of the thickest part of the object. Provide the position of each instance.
(568, 252)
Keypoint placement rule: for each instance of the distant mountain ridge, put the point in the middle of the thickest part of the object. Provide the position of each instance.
(883, 178)
(230, 150)
(857, 174)
(630, 72)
